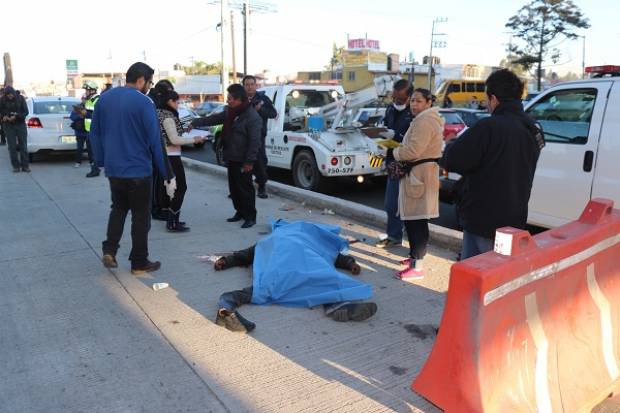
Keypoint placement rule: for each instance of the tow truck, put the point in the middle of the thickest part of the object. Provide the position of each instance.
(321, 133)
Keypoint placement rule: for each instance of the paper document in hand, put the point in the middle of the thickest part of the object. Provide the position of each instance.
(388, 143)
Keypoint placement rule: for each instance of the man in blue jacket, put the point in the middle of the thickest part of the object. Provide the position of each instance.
(125, 139)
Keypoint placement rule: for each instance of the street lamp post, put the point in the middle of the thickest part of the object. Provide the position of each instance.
(438, 44)
(583, 58)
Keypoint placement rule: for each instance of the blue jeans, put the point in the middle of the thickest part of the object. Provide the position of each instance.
(394, 224)
(475, 245)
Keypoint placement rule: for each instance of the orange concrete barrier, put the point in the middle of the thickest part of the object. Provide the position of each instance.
(534, 325)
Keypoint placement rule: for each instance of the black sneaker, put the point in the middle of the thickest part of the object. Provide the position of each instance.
(16, 170)
(354, 312)
(93, 173)
(235, 218)
(148, 267)
(109, 261)
(25, 169)
(249, 223)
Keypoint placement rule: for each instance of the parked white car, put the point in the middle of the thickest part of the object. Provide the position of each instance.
(48, 124)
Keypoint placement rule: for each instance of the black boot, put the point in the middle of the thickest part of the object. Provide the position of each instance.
(94, 171)
(173, 224)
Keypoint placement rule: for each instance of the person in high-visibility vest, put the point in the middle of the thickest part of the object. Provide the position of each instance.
(90, 101)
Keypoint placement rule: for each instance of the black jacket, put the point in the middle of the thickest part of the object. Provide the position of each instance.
(16, 106)
(267, 111)
(497, 159)
(245, 139)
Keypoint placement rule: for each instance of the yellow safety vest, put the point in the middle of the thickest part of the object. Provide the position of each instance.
(89, 105)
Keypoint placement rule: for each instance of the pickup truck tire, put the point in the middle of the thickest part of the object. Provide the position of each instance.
(306, 174)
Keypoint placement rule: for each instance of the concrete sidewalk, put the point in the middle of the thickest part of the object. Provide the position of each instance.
(79, 338)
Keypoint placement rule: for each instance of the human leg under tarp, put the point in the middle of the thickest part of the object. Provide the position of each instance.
(349, 311)
(227, 314)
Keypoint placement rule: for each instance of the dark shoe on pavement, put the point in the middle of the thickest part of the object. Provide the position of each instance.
(93, 172)
(159, 215)
(387, 243)
(354, 312)
(233, 321)
(262, 192)
(16, 170)
(235, 218)
(109, 261)
(26, 169)
(148, 267)
(249, 223)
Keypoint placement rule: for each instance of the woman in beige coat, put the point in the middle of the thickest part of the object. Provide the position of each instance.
(418, 197)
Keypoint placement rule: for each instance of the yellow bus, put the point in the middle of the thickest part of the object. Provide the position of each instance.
(462, 93)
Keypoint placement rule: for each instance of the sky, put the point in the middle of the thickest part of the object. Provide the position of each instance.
(298, 36)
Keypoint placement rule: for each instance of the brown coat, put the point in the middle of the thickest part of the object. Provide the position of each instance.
(418, 196)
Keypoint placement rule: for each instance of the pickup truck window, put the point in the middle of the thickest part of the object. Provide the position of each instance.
(565, 115)
(300, 104)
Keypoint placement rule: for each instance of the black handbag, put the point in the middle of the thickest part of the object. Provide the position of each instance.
(400, 169)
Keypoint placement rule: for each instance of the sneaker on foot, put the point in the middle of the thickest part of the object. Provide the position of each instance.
(387, 243)
(77, 165)
(354, 312)
(109, 261)
(26, 169)
(232, 321)
(16, 170)
(410, 274)
(147, 267)
(262, 193)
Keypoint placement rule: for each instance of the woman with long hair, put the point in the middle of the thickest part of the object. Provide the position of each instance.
(172, 131)
(418, 196)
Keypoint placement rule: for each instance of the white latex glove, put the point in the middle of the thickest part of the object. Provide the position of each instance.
(388, 134)
(171, 187)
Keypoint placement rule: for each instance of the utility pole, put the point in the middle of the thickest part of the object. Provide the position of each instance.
(232, 39)
(437, 44)
(223, 71)
(583, 58)
(246, 28)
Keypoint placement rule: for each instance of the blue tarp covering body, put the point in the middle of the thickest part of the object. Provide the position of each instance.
(294, 266)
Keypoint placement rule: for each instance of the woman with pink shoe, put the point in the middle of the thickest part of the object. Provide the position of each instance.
(418, 197)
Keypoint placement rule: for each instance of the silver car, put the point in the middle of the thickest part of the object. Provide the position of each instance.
(48, 124)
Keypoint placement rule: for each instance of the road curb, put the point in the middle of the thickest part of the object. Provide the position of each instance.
(440, 236)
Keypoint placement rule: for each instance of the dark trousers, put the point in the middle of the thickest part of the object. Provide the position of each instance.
(2, 136)
(82, 142)
(179, 172)
(260, 167)
(130, 194)
(17, 136)
(417, 232)
(241, 190)
(91, 160)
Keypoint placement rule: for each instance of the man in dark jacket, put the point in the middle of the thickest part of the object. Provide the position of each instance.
(264, 107)
(13, 112)
(241, 136)
(397, 119)
(497, 158)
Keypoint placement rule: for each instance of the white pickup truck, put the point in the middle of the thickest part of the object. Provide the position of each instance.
(581, 161)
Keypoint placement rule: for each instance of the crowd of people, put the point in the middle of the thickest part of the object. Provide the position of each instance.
(141, 157)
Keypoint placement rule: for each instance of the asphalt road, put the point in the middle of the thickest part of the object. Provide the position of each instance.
(370, 193)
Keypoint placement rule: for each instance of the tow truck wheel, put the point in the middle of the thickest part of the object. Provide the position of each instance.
(306, 173)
